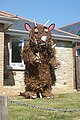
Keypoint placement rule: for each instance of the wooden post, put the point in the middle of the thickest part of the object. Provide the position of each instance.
(3, 108)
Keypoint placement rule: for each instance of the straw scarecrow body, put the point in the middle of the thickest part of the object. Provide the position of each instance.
(40, 60)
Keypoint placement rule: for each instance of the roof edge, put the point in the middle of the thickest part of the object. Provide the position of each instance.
(8, 18)
(65, 32)
(66, 38)
(68, 25)
(54, 36)
(16, 16)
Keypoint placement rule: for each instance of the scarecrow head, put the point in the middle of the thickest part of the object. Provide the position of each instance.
(40, 35)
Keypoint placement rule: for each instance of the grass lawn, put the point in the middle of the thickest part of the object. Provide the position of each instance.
(62, 101)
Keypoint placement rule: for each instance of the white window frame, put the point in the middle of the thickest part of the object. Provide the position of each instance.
(15, 65)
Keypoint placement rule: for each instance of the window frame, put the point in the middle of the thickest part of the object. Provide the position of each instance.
(77, 51)
(77, 48)
(15, 65)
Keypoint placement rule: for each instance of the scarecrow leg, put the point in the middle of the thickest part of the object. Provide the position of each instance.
(40, 95)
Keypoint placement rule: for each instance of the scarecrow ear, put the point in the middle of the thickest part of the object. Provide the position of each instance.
(27, 26)
(51, 27)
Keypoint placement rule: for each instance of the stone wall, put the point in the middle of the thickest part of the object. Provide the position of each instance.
(13, 82)
(19, 79)
(1, 54)
(64, 74)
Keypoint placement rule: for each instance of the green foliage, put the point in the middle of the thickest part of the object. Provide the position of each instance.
(62, 101)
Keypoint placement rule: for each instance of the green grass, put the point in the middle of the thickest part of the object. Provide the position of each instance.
(71, 101)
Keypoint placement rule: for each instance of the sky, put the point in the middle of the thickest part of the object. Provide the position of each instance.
(60, 12)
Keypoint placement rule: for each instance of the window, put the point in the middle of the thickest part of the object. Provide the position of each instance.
(78, 52)
(78, 33)
(77, 47)
(16, 46)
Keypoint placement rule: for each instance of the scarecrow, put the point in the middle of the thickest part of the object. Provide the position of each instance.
(39, 56)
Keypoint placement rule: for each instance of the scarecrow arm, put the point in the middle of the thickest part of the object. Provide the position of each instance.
(27, 54)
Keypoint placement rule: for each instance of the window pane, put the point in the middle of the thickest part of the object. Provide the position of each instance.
(16, 51)
(78, 51)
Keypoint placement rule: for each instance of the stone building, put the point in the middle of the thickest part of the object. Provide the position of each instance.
(12, 38)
